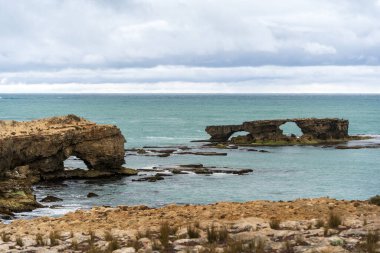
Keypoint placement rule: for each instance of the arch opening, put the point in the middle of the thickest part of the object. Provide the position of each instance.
(240, 137)
(291, 129)
(73, 162)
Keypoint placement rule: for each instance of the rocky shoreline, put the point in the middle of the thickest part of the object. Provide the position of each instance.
(321, 225)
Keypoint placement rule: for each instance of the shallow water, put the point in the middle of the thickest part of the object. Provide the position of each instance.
(284, 173)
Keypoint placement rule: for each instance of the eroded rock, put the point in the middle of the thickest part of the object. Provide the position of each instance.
(269, 131)
(36, 150)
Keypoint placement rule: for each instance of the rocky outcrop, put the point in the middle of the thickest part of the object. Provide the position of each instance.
(269, 130)
(36, 150)
(43, 145)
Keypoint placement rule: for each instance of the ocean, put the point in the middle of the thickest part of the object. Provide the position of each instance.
(284, 173)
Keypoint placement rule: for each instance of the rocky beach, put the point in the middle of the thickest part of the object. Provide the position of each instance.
(34, 152)
(321, 225)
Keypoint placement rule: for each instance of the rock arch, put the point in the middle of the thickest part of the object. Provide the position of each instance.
(269, 130)
(43, 145)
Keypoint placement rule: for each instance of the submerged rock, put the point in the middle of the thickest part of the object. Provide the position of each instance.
(51, 198)
(92, 195)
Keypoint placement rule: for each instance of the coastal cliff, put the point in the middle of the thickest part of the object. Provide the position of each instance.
(36, 150)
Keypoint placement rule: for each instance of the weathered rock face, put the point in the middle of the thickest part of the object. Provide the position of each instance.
(269, 130)
(36, 150)
(43, 145)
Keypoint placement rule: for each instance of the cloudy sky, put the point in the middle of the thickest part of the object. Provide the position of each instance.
(196, 46)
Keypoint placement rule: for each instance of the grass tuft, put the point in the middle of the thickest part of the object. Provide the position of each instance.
(54, 237)
(274, 224)
(74, 244)
(108, 236)
(40, 240)
(334, 220)
(19, 241)
(320, 223)
(165, 232)
(193, 232)
(5, 237)
(371, 242)
(217, 236)
(113, 245)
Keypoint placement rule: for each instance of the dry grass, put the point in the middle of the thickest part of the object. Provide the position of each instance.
(19, 241)
(113, 245)
(54, 237)
(371, 242)
(334, 220)
(5, 237)
(108, 236)
(193, 232)
(74, 244)
(217, 235)
(320, 223)
(165, 232)
(287, 247)
(274, 223)
(40, 240)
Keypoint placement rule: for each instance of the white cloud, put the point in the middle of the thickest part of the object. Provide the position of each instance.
(319, 49)
(165, 79)
(37, 33)
(197, 45)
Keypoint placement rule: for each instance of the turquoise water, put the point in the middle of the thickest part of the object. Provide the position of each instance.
(284, 173)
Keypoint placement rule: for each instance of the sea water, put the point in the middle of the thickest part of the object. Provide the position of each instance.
(284, 173)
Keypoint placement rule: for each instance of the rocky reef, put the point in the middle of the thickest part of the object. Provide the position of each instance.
(305, 225)
(36, 150)
(268, 132)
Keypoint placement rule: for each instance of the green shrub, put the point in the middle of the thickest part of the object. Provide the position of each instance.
(375, 200)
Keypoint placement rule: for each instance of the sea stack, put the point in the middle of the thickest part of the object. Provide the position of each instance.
(36, 150)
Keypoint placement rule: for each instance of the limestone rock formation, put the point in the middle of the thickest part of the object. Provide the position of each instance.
(269, 130)
(36, 150)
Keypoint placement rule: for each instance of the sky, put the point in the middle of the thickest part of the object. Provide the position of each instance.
(190, 46)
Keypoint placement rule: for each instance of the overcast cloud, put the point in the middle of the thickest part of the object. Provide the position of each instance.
(190, 46)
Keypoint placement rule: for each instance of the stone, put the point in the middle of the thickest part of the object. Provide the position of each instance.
(125, 250)
(92, 195)
(50, 198)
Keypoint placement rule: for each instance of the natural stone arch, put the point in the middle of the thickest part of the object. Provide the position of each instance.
(240, 137)
(269, 130)
(291, 129)
(74, 162)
